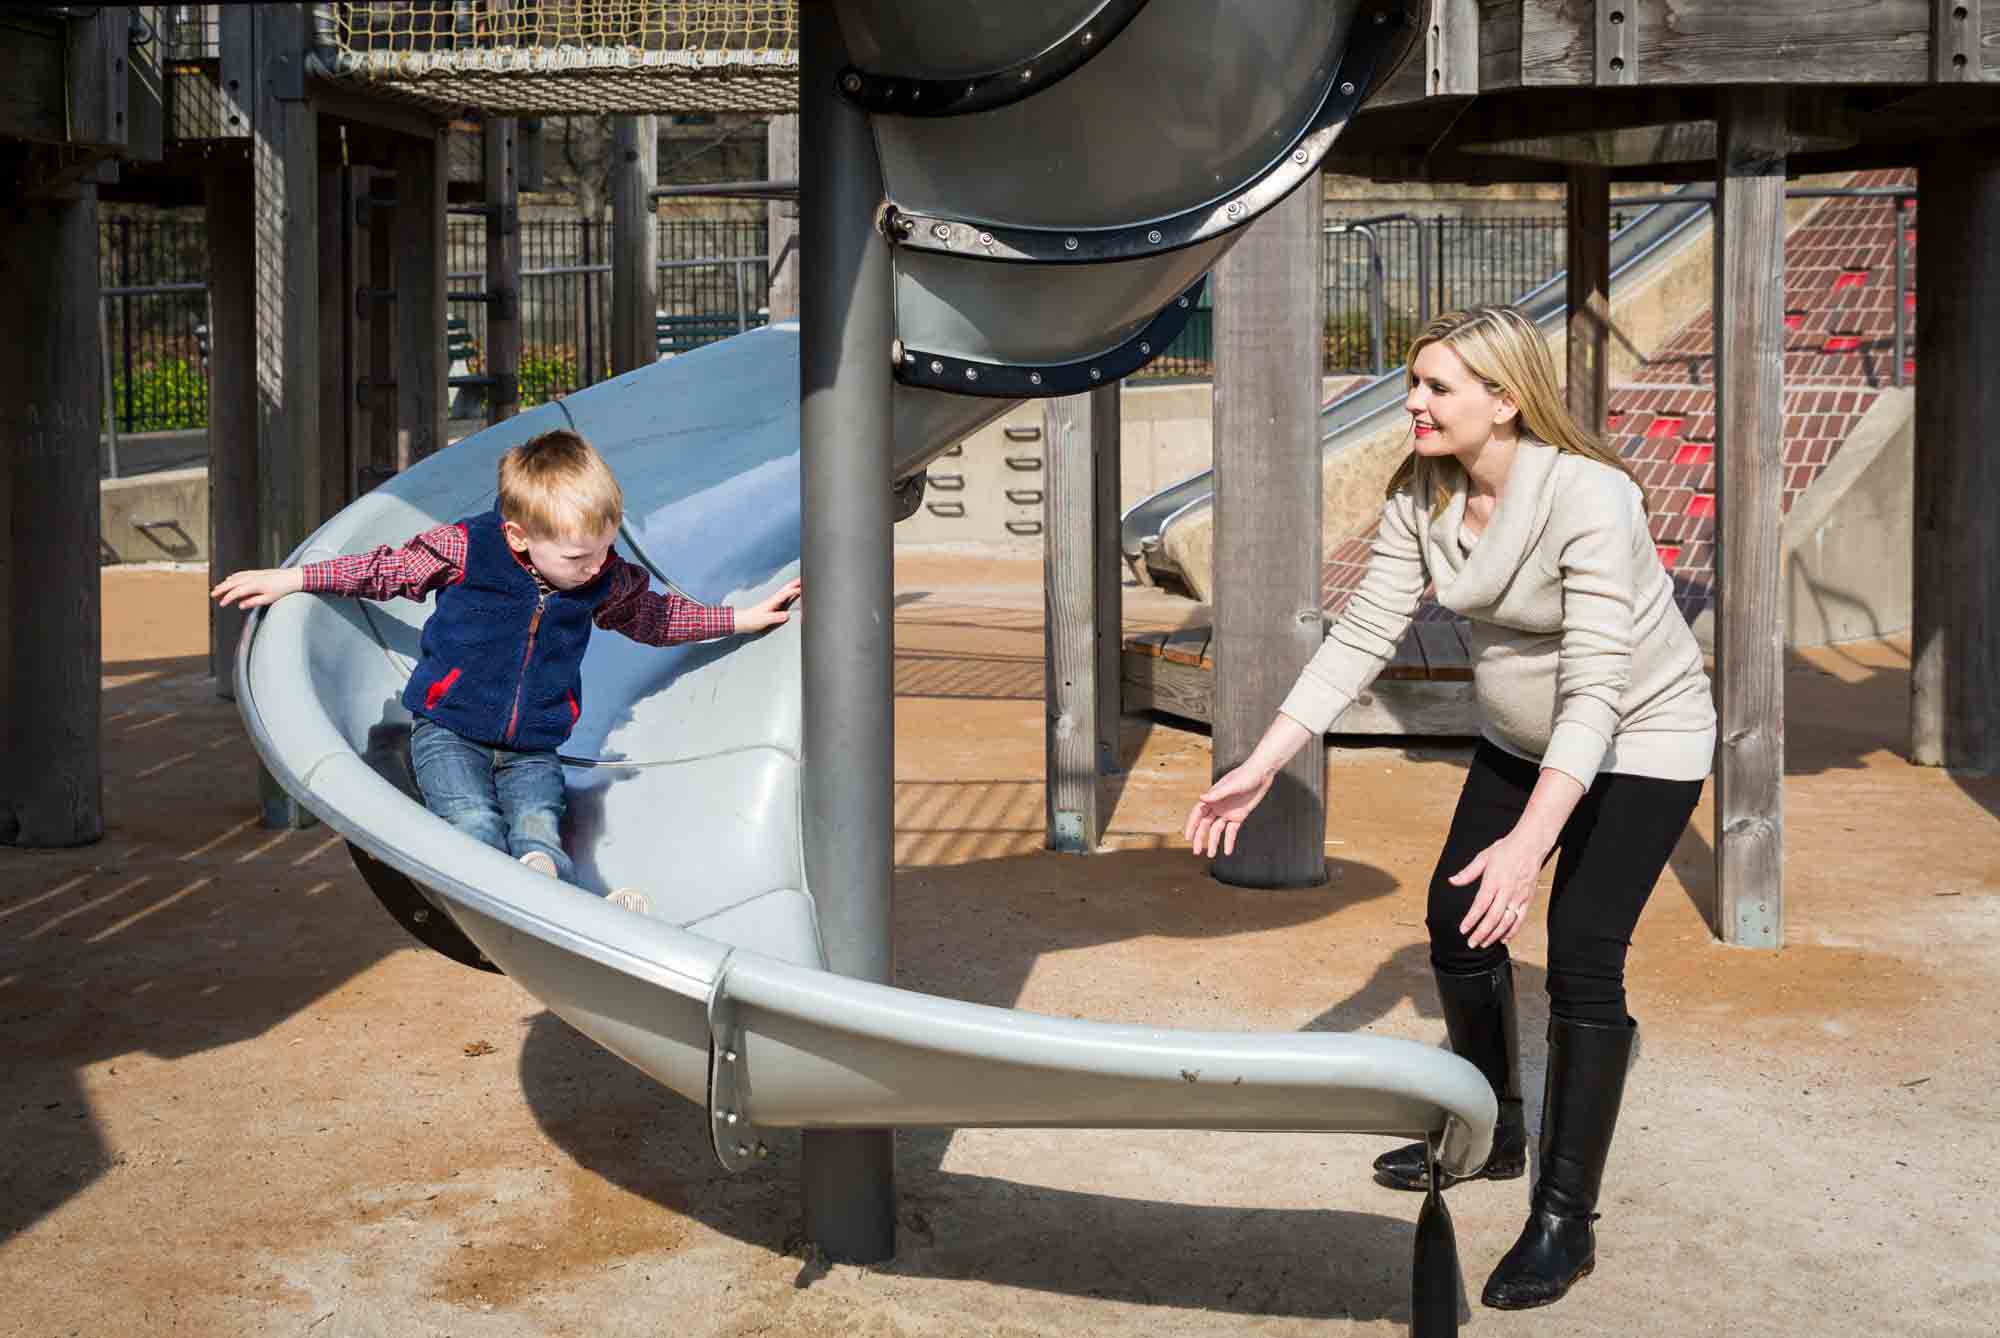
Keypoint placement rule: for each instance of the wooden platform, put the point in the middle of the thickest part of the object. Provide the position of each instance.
(1425, 690)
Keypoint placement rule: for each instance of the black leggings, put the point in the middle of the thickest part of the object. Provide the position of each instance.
(1613, 849)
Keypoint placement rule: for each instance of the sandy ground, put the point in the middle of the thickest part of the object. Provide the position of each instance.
(236, 1100)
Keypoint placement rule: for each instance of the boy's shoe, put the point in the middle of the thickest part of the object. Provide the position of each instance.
(632, 899)
(540, 862)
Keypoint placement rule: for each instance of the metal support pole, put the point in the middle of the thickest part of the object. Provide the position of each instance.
(111, 408)
(846, 429)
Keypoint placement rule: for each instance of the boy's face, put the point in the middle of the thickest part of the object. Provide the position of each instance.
(567, 562)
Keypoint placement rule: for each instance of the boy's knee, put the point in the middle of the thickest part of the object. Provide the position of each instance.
(476, 820)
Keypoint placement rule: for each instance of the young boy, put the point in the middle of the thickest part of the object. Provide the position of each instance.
(498, 686)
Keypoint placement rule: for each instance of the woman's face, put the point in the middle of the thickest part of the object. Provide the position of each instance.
(1451, 410)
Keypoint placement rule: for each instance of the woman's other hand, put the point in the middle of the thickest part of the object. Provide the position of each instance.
(1216, 817)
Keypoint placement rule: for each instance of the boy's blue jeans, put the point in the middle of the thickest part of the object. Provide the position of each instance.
(513, 801)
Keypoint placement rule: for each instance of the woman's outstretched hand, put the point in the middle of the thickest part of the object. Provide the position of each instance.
(1216, 817)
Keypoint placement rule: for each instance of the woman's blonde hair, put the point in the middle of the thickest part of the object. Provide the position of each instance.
(1503, 350)
(556, 487)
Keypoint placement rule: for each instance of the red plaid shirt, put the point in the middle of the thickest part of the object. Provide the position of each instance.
(436, 557)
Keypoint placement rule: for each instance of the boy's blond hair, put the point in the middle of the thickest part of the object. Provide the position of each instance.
(556, 487)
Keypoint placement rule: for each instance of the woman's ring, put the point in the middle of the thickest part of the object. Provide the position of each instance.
(1515, 912)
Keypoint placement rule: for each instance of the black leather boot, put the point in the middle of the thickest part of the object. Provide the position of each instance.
(1586, 1082)
(1479, 1018)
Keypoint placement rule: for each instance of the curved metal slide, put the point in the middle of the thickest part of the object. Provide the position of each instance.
(686, 762)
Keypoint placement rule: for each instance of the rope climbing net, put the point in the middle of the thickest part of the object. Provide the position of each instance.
(571, 56)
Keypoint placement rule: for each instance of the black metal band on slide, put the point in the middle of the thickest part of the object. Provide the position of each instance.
(1371, 39)
(894, 95)
(1023, 381)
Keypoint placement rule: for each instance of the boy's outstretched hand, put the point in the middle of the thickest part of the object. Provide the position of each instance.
(771, 612)
(254, 589)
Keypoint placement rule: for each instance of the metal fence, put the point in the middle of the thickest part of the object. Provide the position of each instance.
(1387, 276)
(711, 270)
(153, 303)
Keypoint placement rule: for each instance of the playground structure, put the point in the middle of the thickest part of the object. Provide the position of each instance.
(1420, 123)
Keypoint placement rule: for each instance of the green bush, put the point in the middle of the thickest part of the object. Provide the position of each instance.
(546, 378)
(164, 397)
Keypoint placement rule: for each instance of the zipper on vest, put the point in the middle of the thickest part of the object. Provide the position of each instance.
(534, 623)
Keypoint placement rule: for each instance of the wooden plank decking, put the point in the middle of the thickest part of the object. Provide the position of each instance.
(1426, 689)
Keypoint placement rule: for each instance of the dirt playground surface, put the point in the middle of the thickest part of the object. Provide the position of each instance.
(237, 1100)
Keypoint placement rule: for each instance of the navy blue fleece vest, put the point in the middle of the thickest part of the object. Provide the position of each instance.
(502, 662)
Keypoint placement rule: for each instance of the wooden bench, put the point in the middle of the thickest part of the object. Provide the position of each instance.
(682, 334)
(1426, 689)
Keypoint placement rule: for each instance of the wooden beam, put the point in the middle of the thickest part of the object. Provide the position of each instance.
(635, 244)
(33, 101)
(1955, 41)
(1589, 288)
(97, 78)
(336, 396)
(232, 395)
(1418, 707)
(285, 162)
(1726, 42)
(422, 365)
(1955, 678)
(1749, 312)
(375, 384)
(500, 156)
(51, 400)
(1452, 44)
(1269, 318)
(341, 98)
(782, 228)
(1082, 603)
(145, 104)
(1107, 431)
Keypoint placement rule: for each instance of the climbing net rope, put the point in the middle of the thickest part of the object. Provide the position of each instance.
(571, 56)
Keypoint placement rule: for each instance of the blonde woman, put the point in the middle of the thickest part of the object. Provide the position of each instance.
(1597, 731)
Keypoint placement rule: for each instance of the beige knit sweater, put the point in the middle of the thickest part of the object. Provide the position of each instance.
(1581, 659)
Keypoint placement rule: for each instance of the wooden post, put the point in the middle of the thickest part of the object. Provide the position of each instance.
(336, 396)
(384, 443)
(1750, 638)
(285, 167)
(51, 398)
(1082, 600)
(1589, 341)
(232, 394)
(1269, 318)
(503, 268)
(1955, 642)
(1107, 428)
(782, 229)
(635, 245)
(422, 365)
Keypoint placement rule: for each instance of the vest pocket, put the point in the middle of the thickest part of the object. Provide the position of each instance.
(436, 692)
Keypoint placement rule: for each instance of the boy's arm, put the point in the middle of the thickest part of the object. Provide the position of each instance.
(434, 558)
(634, 610)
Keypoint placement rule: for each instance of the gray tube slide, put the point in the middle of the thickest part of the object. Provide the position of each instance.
(688, 787)
(1143, 528)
